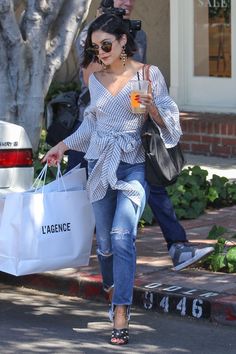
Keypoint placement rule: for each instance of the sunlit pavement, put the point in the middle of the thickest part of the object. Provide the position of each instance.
(38, 322)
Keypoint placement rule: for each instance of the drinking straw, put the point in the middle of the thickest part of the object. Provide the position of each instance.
(139, 80)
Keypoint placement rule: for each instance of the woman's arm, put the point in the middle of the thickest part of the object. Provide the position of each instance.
(154, 113)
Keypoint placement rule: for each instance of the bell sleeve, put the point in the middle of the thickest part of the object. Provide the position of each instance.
(80, 139)
(167, 108)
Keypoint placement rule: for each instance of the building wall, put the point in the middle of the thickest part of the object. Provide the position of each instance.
(155, 18)
(209, 134)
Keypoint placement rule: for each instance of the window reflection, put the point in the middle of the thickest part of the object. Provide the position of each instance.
(212, 38)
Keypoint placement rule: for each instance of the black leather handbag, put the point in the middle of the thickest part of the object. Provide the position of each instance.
(162, 165)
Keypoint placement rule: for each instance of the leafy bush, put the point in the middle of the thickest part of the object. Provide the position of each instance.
(188, 194)
(192, 194)
(217, 193)
(216, 232)
(223, 259)
(231, 193)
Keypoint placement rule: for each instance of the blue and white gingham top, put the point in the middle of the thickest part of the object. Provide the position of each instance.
(110, 133)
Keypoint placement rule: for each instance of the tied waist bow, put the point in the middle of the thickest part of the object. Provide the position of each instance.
(110, 146)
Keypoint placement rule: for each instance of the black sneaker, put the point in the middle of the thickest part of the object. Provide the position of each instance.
(184, 254)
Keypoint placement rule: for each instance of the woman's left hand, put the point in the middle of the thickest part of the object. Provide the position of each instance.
(146, 99)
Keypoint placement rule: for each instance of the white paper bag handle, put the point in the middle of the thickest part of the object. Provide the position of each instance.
(59, 178)
(41, 177)
(40, 181)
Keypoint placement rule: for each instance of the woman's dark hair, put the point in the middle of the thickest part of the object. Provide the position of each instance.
(111, 24)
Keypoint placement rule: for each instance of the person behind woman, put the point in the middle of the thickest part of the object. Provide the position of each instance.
(110, 136)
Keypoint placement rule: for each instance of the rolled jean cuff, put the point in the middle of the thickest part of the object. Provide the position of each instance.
(111, 312)
(108, 288)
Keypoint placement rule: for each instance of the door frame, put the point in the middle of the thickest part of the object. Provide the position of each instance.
(182, 79)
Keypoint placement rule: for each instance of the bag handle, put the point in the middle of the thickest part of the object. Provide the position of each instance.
(40, 181)
(59, 177)
(146, 76)
(146, 72)
(41, 177)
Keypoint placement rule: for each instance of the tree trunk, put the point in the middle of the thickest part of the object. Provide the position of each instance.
(33, 46)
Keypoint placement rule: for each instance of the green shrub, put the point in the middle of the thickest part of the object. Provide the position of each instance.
(216, 232)
(231, 192)
(192, 194)
(223, 259)
(188, 194)
(217, 194)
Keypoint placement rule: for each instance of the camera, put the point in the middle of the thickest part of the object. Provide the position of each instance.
(107, 7)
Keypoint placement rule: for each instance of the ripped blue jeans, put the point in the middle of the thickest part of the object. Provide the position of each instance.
(116, 229)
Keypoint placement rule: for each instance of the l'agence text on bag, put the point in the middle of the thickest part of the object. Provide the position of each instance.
(61, 116)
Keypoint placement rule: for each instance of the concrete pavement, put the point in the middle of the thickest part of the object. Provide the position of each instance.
(192, 292)
(221, 166)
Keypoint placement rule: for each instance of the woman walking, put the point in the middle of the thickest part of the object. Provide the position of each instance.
(110, 137)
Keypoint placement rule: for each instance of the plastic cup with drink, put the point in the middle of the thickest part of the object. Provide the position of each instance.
(138, 87)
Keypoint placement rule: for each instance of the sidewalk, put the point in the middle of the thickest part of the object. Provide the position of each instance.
(191, 292)
(224, 167)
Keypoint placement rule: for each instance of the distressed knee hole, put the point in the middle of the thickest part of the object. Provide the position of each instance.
(106, 253)
(120, 234)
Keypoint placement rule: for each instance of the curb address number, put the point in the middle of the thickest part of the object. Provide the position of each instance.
(182, 305)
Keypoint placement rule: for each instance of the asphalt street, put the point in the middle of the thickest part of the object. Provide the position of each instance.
(40, 322)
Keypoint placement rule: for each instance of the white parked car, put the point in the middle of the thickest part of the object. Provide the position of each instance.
(16, 159)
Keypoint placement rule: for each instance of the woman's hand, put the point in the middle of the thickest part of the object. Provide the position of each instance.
(147, 100)
(55, 154)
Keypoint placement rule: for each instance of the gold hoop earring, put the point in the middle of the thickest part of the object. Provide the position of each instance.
(123, 56)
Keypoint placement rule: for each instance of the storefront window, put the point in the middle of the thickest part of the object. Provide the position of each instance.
(212, 38)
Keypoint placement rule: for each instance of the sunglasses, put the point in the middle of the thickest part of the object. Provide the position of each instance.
(106, 47)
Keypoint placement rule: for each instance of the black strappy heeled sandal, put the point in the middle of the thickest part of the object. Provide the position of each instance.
(119, 336)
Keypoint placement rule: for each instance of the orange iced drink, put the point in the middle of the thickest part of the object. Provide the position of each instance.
(137, 87)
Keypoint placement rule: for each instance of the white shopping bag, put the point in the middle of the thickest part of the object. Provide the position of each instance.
(74, 179)
(45, 231)
(2, 201)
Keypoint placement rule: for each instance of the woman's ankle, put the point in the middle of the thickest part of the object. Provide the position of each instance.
(120, 317)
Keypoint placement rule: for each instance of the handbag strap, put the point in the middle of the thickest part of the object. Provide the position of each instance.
(146, 72)
(146, 76)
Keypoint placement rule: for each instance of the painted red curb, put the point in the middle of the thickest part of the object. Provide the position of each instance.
(224, 310)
